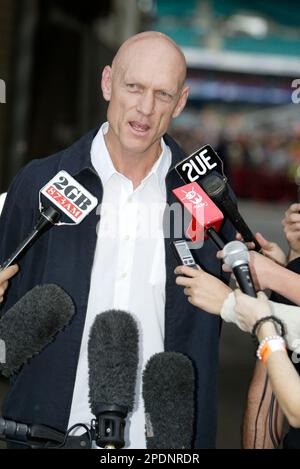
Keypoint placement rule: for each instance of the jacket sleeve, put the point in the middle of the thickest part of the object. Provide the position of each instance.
(16, 221)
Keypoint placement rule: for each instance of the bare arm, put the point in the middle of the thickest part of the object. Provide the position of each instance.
(255, 432)
(269, 274)
(284, 379)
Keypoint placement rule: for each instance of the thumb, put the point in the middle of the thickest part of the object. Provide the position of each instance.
(237, 293)
(262, 296)
(265, 243)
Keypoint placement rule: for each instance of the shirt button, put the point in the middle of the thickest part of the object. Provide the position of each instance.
(127, 238)
(124, 275)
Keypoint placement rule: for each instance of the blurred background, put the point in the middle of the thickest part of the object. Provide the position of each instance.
(244, 73)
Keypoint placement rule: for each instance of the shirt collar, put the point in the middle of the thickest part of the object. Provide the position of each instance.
(103, 164)
(100, 157)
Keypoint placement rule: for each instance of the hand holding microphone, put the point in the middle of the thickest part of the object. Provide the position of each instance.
(202, 289)
(249, 310)
(4, 278)
(66, 200)
(269, 249)
(236, 256)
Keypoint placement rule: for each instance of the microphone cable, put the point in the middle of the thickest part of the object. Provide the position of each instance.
(77, 425)
(274, 437)
(46, 444)
(259, 409)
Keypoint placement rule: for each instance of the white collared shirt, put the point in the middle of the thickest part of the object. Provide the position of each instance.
(2, 201)
(128, 272)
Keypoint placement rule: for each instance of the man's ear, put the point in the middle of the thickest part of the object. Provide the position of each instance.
(106, 82)
(181, 102)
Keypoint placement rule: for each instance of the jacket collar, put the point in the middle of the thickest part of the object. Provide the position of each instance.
(77, 157)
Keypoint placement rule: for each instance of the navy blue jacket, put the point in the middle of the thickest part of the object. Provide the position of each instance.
(42, 392)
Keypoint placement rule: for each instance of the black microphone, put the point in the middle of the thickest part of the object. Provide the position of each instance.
(168, 392)
(33, 436)
(31, 324)
(113, 362)
(37, 436)
(236, 255)
(65, 199)
(48, 217)
(216, 187)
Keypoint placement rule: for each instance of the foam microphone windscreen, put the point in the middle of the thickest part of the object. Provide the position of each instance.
(168, 392)
(113, 360)
(31, 324)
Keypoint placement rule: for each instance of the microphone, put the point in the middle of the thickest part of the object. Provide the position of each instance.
(68, 199)
(206, 217)
(168, 392)
(217, 189)
(113, 362)
(48, 218)
(202, 166)
(236, 255)
(32, 436)
(31, 324)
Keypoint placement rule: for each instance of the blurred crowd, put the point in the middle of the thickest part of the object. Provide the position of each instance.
(261, 162)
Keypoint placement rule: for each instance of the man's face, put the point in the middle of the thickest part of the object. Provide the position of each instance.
(144, 92)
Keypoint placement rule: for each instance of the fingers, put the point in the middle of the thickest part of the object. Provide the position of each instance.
(293, 209)
(183, 281)
(262, 296)
(265, 244)
(237, 293)
(220, 254)
(8, 273)
(292, 227)
(3, 287)
(292, 215)
(188, 271)
(226, 268)
(4, 277)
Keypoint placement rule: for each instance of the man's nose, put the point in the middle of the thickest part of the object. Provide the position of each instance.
(146, 103)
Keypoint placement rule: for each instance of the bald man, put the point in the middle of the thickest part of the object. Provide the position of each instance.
(125, 261)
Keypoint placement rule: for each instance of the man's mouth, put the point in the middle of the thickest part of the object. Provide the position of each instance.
(138, 127)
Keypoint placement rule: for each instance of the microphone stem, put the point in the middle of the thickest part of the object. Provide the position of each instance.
(48, 217)
(213, 235)
(244, 280)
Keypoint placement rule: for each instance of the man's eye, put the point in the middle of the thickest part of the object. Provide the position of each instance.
(132, 86)
(164, 95)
